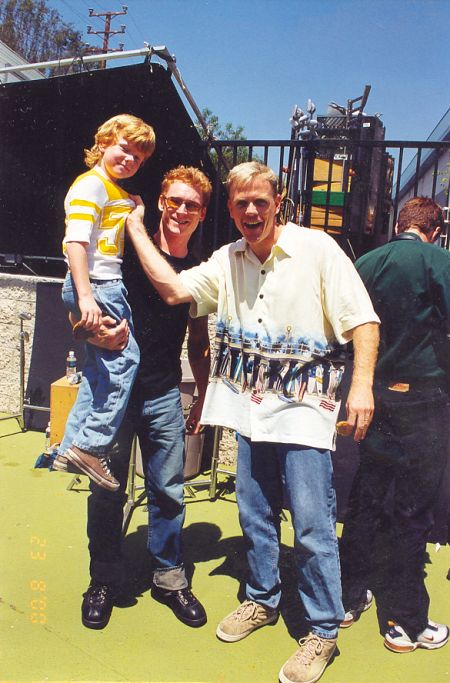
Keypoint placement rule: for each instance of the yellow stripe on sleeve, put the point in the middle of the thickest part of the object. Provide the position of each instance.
(80, 217)
(84, 202)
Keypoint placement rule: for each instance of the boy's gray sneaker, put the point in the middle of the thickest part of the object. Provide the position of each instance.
(95, 467)
(245, 619)
(353, 614)
(308, 663)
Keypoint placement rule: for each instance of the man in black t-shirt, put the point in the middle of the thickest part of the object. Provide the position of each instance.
(155, 414)
(406, 447)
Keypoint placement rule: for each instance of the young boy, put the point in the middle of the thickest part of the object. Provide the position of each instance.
(96, 209)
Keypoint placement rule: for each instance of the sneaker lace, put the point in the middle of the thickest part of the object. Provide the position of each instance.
(105, 465)
(186, 596)
(310, 647)
(97, 594)
(245, 611)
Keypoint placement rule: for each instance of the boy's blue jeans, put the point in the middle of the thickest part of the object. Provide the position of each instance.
(267, 474)
(108, 376)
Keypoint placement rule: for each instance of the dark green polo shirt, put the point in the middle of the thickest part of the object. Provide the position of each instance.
(409, 284)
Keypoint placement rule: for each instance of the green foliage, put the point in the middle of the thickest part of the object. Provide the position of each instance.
(445, 176)
(227, 156)
(36, 32)
(215, 130)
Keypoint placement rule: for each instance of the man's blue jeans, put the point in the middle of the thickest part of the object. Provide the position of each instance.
(267, 474)
(108, 376)
(159, 424)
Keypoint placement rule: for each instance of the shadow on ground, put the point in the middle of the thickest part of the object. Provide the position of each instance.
(203, 542)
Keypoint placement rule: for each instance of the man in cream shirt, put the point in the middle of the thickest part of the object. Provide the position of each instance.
(287, 300)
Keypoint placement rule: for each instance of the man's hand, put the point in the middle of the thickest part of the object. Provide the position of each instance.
(360, 408)
(157, 269)
(135, 218)
(111, 335)
(193, 425)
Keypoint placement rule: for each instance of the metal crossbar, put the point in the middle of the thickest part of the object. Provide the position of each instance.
(393, 169)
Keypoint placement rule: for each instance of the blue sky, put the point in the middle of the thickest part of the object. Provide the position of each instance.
(251, 61)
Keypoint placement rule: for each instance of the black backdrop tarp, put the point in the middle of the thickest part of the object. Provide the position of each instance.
(52, 340)
(45, 126)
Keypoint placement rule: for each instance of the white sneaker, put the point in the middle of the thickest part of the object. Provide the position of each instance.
(353, 614)
(431, 638)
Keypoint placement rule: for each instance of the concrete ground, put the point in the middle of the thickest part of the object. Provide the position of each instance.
(44, 571)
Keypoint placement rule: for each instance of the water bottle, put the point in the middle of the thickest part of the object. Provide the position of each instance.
(71, 364)
(47, 437)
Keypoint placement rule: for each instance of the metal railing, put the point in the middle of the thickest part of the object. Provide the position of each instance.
(375, 177)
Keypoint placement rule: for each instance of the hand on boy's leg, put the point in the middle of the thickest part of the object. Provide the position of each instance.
(111, 335)
(80, 333)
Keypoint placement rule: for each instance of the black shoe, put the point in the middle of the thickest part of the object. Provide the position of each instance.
(97, 606)
(183, 603)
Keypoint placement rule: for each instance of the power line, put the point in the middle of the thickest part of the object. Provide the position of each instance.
(107, 31)
(138, 28)
(135, 33)
(74, 11)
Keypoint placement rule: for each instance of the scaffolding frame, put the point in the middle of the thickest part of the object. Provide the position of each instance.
(147, 52)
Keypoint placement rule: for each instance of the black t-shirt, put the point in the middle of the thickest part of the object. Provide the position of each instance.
(160, 329)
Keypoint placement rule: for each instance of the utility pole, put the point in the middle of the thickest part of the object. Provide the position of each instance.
(107, 30)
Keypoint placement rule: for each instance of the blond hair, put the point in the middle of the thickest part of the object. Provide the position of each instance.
(132, 128)
(190, 176)
(245, 173)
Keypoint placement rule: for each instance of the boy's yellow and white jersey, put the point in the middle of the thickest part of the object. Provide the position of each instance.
(96, 210)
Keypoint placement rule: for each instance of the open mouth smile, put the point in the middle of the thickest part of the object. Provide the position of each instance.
(252, 226)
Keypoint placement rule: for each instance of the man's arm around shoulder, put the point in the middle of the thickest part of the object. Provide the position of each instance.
(159, 272)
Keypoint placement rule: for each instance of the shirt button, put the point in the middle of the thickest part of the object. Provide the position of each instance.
(261, 296)
(260, 320)
(263, 272)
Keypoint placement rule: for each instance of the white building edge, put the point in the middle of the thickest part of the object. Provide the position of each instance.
(9, 58)
(430, 173)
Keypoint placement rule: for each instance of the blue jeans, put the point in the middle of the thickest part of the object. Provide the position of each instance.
(108, 376)
(159, 424)
(267, 474)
